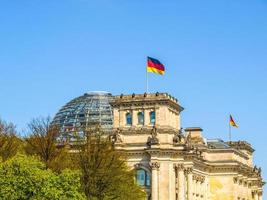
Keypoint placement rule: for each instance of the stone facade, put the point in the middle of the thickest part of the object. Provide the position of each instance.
(181, 163)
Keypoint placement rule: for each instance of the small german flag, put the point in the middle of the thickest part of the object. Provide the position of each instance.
(154, 66)
(232, 122)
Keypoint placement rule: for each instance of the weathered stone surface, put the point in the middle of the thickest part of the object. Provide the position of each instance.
(183, 165)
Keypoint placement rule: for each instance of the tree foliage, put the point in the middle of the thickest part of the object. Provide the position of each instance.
(9, 142)
(92, 170)
(42, 142)
(104, 173)
(27, 178)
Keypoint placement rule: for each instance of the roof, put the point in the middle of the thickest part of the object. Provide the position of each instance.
(217, 144)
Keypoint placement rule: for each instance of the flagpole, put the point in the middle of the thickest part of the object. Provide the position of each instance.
(230, 134)
(230, 130)
(146, 81)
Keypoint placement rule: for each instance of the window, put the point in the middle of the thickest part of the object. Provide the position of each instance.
(140, 116)
(143, 177)
(128, 118)
(152, 116)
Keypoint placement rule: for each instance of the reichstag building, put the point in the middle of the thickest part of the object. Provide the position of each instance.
(171, 163)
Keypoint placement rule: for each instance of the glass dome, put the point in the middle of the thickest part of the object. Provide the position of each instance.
(88, 110)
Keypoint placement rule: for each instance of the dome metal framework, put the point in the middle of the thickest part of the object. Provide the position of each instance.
(87, 111)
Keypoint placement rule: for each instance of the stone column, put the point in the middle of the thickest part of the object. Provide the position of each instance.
(189, 172)
(155, 192)
(260, 195)
(194, 188)
(122, 120)
(146, 117)
(198, 188)
(202, 185)
(134, 118)
(181, 191)
(256, 197)
(176, 180)
(204, 190)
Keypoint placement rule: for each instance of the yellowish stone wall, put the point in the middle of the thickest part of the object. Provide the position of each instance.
(221, 188)
(210, 164)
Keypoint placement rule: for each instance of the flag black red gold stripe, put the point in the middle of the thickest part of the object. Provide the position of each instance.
(232, 122)
(154, 66)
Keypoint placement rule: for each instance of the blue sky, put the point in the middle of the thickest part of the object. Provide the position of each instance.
(214, 53)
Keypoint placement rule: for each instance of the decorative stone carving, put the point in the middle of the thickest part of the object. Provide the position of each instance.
(154, 165)
(197, 152)
(179, 137)
(153, 139)
(142, 166)
(178, 167)
(189, 170)
(257, 171)
(116, 136)
(137, 166)
(235, 179)
(154, 133)
(199, 178)
(188, 142)
(254, 192)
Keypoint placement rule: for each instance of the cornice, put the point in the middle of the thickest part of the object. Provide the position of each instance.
(226, 166)
(146, 130)
(146, 99)
(231, 150)
(241, 145)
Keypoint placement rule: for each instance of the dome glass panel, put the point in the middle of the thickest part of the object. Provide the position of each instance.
(89, 110)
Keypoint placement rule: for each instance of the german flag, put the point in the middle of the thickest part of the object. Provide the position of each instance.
(232, 122)
(154, 66)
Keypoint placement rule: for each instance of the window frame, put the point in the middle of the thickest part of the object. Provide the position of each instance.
(147, 178)
(142, 122)
(150, 118)
(131, 118)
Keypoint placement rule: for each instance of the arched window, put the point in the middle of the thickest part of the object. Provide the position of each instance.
(140, 117)
(152, 116)
(128, 118)
(143, 178)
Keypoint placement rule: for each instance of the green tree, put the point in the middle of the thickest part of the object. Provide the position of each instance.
(104, 173)
(9, 142)
(42, 141)
(26, 178)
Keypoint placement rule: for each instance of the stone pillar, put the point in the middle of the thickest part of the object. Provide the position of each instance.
(256, 197)
(198, 189)
(201, 188)
(181, 191)
(146, 117)
(204, 191)
(122, 120)
(155, 192)
(189, 172)
(260, 196)
(172, 180)
(134, 118)
(194, 188)
(176, 180)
